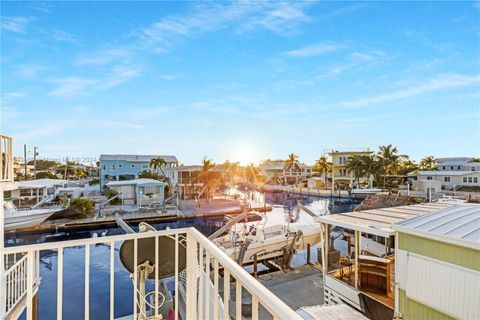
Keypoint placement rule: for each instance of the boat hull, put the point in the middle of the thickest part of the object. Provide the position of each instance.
(272, 248)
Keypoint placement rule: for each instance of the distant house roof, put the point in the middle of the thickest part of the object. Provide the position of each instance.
(136, 158)
(185, 168)
(138, 182)
(41, 183)
(279, 165)
(459, 225)
(441, 173)
(452, 160)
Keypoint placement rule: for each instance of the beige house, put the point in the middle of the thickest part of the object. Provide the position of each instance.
(339, 158)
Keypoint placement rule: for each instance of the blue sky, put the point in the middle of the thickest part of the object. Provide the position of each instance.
(240, 80)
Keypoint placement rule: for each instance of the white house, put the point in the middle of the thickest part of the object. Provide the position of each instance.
(452, 172)
(32, 192)
(139, 191)
(277, 169)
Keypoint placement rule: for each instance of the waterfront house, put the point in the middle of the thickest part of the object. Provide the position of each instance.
(340, 176)
(185, 180)
(33, 192)
(139, 191)
(278, 170)
(452, 173)
(119, 167)
(437, 264)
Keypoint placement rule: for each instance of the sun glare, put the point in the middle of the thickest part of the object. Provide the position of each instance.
(243, 152)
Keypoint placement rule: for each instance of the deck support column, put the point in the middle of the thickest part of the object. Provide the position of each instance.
(357, 251)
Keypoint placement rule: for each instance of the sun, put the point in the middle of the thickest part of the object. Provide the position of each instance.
(245, 152)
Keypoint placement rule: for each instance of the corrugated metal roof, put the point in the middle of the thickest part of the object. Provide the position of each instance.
(459, 223)
(330, 312)
(379, 221)
(137, 158)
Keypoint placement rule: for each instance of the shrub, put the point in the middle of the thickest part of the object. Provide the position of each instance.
(83, 206)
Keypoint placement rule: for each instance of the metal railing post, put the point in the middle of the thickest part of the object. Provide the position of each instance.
(192, 270)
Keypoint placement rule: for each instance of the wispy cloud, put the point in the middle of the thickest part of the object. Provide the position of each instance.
(40, 6)
(103, 57)
(444, 81)
(15, 24)
(63, 36)
(121, 74)
(117, 124)
(45, 129)
(30, 70)
(71, 86)
(314, 50)
(240, 16)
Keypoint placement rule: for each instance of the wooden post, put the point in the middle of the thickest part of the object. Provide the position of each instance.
(349, 244)
(284, 262)
(308, 253)
(35, 307)
(357, 250)
(255, 261)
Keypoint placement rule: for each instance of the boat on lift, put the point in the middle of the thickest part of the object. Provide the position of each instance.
(267, 235)
(16, 219)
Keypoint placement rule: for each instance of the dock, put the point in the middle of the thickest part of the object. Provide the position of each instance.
(150, 216)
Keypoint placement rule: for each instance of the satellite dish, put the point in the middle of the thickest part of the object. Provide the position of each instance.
(146, 252)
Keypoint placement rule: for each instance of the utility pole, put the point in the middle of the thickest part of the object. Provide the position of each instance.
(35, 154)
(25, 161)
(66, 165)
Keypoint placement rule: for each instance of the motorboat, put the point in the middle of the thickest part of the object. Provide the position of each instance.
(268, 234)
(16, 219)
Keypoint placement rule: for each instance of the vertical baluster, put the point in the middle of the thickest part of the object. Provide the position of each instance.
(59, 283)
(156, 277)
(215, 291)
(238, 299)
(226, 292)
(176, 277)
(135, 277)
(30, 274)
(192, 272)
(201, 286)
(87, 282)
(112, 278)
(254, 307)
(207, 285)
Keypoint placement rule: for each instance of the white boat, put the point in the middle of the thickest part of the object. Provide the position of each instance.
(16, 219)
(364, 191)
(269, 235)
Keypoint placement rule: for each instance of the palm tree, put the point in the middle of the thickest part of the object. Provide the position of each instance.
(387, 155)
(428, 163)
(323, 166)
(408, 166)
(370, 167)
(291, 163)
(158, 163)
(205, 174)
(355, 165)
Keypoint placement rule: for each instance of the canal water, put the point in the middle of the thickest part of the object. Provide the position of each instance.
(74, 268)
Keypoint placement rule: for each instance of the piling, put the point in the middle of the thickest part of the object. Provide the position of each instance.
(308, 253)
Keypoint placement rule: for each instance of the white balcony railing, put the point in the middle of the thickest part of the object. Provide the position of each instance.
(6, 159)
(214, 286)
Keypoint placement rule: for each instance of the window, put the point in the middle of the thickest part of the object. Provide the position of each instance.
(113, 167)
(145, 166)
(443, 167)
(458, 167)
(446, 179)
(429, 178)
(104, 167)
(451, 168)
(133, 166)
(464, 179)
(472, 168)
(119, 165)
(475, 180)
(470, 180)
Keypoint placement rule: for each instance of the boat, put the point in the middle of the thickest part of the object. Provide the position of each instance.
(268, 235)
(361, 192)
(16, 219)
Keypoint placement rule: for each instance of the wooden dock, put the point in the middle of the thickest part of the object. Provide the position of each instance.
(131, 217)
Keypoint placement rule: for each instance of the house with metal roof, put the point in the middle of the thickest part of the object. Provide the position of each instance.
(437, 264)
(139, 191)
(116, 167)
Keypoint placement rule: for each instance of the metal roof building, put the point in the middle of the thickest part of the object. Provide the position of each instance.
(438, 264)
